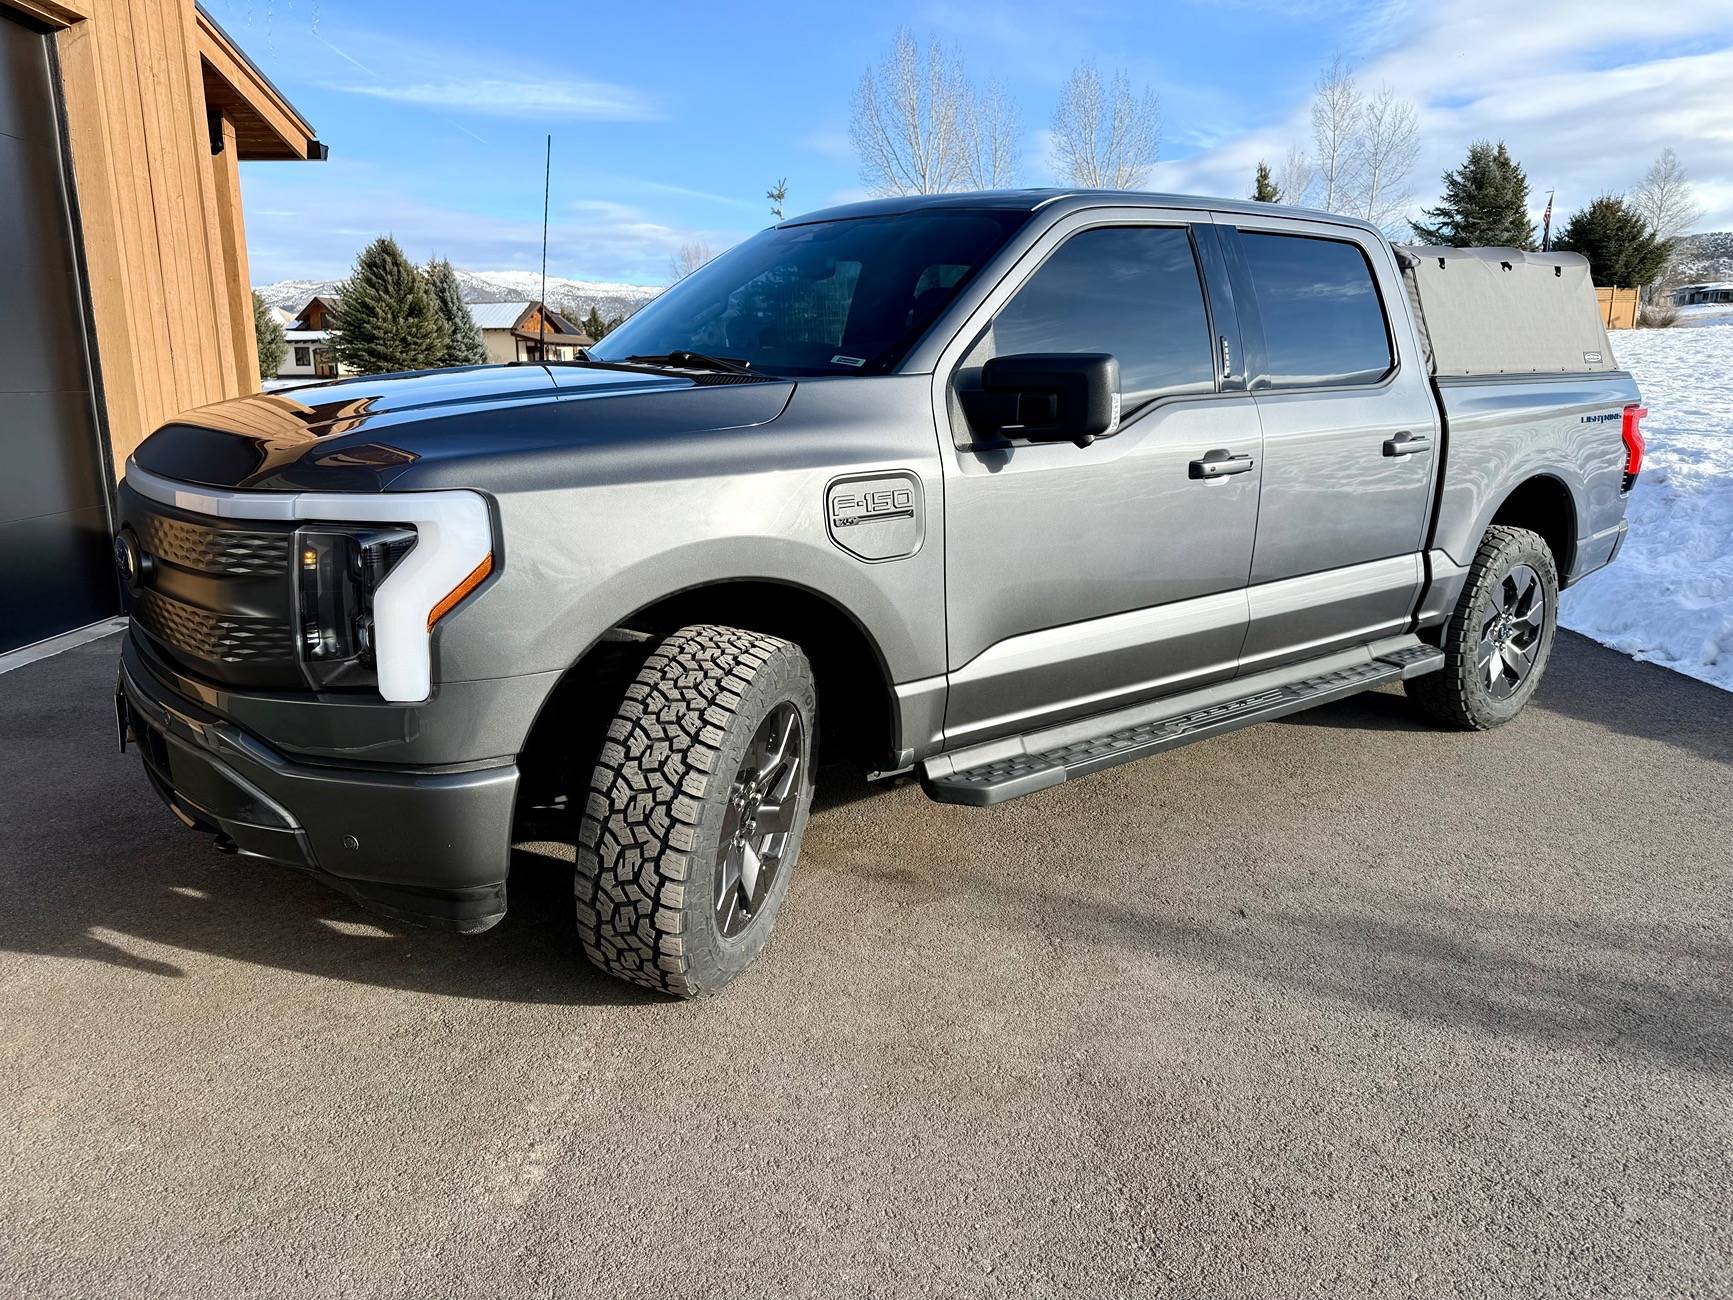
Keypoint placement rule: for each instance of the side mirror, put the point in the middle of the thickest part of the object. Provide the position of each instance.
(1052, 396)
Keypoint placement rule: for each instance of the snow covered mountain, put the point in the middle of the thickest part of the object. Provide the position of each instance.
(1704, 257)
(572, 298)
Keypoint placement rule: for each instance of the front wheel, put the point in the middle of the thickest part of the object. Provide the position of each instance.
(1499, 637)
(696, 809)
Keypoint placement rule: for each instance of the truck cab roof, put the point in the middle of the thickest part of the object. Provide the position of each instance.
(1062, 200)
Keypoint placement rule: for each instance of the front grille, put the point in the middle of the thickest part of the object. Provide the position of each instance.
(215, 597)
(213, 637)
(231, 552)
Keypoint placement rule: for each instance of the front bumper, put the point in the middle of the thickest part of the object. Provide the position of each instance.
(425, 846)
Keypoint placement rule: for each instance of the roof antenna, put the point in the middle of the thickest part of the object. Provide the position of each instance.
(542, 314)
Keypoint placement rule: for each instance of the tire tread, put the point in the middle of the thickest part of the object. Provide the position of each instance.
(641, 816)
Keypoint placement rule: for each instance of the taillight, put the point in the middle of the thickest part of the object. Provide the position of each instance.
(1631, 432)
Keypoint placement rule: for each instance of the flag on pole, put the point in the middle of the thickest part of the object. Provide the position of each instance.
(1546, 225)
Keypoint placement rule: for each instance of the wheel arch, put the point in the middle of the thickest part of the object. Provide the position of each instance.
(857, 699)
(1544, 504)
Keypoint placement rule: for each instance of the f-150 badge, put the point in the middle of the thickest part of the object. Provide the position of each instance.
(876, 516)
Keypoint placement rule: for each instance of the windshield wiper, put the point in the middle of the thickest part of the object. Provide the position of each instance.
(697, 361)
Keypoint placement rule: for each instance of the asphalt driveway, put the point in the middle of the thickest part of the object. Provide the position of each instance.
(1340, 1005)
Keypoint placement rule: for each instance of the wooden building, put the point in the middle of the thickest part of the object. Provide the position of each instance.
(527, 331)
(124, 259)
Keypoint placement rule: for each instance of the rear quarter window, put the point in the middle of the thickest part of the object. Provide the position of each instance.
(1323, 321)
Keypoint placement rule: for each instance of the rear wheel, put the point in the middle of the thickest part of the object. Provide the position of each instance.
(1499, 637)
(696, 809)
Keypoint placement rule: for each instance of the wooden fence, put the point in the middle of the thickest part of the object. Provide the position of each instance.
(1618, 308)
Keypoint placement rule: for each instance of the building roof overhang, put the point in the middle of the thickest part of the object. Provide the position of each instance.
(267, 126)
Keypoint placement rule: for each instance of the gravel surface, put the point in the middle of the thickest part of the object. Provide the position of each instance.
(1339, 1005)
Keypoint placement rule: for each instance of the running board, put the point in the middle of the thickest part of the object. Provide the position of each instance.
(1007, 769)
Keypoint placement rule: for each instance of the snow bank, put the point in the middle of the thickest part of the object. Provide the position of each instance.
(1668, 598)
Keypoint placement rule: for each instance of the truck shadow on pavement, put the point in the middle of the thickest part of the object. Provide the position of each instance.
(1494, 980)
(1585, 681)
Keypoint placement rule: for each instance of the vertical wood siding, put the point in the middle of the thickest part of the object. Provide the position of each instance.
(162, 233)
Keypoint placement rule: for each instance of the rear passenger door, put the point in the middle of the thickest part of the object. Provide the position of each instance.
(1350, 437)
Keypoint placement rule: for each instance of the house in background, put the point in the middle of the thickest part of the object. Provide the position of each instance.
(124, 264)
(518, 331)
(1691, 295)
(308, 336)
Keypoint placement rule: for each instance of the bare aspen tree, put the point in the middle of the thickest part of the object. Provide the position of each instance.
(1664, 197)
(1664, 201)
(690, 258)
(1105, 136)
(991, 122)
(1296, 178)
(1336, 113)
(1387, 144)
(908, 120)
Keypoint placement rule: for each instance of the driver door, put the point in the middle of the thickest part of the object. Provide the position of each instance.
(1080, 579)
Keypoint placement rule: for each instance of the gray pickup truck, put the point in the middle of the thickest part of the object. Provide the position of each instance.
(994, 489)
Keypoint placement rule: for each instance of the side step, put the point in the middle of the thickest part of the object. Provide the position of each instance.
(999, 770)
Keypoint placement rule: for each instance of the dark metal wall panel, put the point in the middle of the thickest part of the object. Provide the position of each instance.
(55, 571)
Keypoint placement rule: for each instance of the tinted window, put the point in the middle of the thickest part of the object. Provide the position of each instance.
(1133, 291)
(832, 297)
(1323, 323)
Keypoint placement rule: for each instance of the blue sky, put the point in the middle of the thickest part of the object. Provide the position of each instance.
(670, 121)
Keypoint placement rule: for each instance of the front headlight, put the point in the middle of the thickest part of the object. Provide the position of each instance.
(338, 571)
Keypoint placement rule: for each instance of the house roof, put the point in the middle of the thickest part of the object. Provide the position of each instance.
(498, 315)
(509, 315)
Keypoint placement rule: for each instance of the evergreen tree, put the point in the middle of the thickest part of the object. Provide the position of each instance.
(594, 325)
(1622, 248)
(269, 335)
(1264, 190)
(1485, 203)
(463, 345)
(386, 319)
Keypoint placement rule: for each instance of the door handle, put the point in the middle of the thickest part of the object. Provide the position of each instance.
(1407, 444)
(1218, 463)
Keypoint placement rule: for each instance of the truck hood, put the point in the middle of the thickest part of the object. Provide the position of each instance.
(443, 428)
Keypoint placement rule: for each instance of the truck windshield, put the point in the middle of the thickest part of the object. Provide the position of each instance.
(835, 297)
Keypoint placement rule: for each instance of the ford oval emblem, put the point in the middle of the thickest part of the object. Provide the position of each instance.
(131, 563)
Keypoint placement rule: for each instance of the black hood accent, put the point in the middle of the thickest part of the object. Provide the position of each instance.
(442, 428)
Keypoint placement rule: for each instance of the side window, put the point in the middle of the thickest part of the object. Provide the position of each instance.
(1323, 321)
(1133, 291)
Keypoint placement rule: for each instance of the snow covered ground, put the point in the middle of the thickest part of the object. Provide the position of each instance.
(1669, 596)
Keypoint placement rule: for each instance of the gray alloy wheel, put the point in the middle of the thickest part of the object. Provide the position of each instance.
(1512, 620)
(762, 803)
(1497, 641)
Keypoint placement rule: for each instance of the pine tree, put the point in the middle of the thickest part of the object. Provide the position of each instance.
(1622, 248)
(1265, 191)
(386, 319)
(594, 325)
(1485, 203)
(269, 335)
(463, 345)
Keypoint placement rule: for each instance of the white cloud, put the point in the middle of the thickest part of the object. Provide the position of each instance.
(1585, 95)
(516, 97)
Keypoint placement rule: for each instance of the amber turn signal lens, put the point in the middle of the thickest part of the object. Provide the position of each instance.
(457, 593)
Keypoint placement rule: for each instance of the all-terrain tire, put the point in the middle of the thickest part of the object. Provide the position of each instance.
(1460, 695)
(652, 841)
